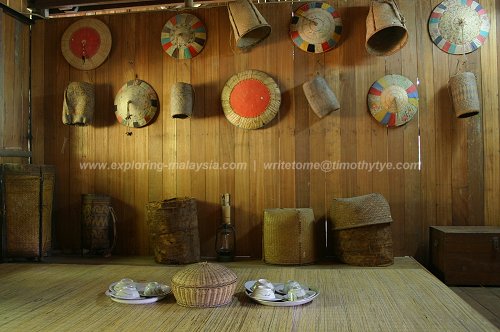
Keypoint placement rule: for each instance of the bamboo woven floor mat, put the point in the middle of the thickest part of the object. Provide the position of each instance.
(70, 297)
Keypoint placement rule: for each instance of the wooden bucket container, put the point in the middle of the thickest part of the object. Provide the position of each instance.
(79, 104)
(181, 100)
(385, 28)
(463, 91)
(249, 26)
(98, 224)
(173, 229)
(26, 196)
(362, 230)
(288, 236)
(320, 97)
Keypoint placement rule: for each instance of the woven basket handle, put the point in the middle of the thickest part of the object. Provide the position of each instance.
(113, 218)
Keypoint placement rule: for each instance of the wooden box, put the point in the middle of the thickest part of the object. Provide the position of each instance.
(465, 255)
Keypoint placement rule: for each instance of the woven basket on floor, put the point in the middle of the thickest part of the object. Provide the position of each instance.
(362, 230)
(204, 285)
(288, 236)
(173, 230)
(26, 196)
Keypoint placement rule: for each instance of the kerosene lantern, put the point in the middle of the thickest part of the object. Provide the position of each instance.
(225, 239)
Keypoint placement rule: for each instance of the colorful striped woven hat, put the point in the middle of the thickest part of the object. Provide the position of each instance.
(459, 26)
(393, 100)
(183, 36)
(250, 99)
(316, 27)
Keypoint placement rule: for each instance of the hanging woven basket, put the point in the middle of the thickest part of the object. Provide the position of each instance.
(463, 91)
(385, 28)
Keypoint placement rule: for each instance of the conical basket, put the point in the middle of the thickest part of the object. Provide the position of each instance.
(385, 28)
(249, 26)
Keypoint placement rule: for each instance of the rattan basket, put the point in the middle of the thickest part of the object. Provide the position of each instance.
(26, 197)
(204, 285)
(362, 230)
(288, 236)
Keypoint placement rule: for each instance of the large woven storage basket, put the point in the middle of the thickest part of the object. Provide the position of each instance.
(173, 230)
(26, 197)
(288, 236)
(362, 230)
(204, 285)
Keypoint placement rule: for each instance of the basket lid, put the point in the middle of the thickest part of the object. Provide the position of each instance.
(352, 212)
(203, 275)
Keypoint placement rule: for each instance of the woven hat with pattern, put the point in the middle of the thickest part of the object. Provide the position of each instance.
(393, 100)
(86, 43)
(250, 99)
(459, 26)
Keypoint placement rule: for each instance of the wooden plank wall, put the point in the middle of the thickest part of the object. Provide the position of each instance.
(457, 183)
(14, 86)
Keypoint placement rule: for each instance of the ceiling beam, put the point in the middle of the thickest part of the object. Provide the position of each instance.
(53, 4)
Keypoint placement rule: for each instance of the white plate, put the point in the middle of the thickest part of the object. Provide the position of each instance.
(310, 295)
(142, 300)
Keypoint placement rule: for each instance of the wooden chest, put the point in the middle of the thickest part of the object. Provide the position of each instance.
(465, 255)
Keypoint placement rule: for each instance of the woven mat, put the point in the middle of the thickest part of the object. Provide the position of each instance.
(71, 297)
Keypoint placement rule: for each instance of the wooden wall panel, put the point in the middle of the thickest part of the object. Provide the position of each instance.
(14, 88)
(457, 181)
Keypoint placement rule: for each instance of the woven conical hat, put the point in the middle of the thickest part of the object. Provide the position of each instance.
(86, 43)
(393, 100)
(458, 27)
(250, 99)
(136, 104)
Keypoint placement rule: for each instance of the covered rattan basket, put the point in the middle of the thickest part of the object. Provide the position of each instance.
(288, 236)
(362, 230)
(204, 285)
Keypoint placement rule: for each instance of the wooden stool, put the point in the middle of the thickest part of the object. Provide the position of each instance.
(288, 236)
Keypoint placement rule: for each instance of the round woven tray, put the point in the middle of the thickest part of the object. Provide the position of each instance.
(250, 99)
(204, 285)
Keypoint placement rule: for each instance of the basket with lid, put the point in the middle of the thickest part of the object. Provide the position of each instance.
(204, 285)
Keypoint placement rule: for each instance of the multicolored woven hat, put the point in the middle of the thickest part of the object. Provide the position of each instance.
(183, 36)
(250, 99)
(136, 104)
(316, 27)
(393, 100)
(459, 26)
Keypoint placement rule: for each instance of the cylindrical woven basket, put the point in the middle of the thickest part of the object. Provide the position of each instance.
(362, 234)
(320, 97)
(463, 90)
(288, 236)
(385, 28)
(79, 104)
(181, 100)
(173, 229)
(249, 26)
(26, 196)
(204, 285)
(98, 224)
